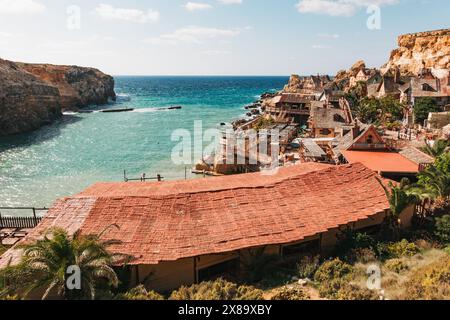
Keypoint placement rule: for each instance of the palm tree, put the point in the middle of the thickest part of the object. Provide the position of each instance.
(399, 199)
(45, 263)
(439, 148)
(436, 183)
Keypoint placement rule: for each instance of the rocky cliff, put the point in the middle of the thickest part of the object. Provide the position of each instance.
(421, 50)
(77, 86)
(32, 95)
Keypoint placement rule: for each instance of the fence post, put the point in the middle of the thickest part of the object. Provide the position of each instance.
(35, 218)
(1, 220)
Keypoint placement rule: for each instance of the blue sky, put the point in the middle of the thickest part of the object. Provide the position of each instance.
(211, 37)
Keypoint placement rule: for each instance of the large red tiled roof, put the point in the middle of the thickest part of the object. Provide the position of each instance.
(174, 220)
(382, 161)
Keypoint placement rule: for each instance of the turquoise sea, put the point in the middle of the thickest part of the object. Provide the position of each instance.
(64, 158)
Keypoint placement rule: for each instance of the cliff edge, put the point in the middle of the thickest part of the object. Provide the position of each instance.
(33, 95)
(421, 50)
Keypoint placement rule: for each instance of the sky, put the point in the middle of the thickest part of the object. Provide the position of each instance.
(212, 37)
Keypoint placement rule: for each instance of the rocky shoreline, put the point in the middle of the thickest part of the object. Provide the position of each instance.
(34, 95)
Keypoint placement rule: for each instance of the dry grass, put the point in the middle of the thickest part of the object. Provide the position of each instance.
(396, 275)
(2, 249)
(394, 282)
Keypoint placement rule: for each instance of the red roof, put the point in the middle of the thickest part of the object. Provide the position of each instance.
(168, 221)
(382, 161)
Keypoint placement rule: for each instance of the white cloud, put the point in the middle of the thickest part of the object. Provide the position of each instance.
(329, 35)
(21, 7)
(109, 12)
(216, 52)
(338, 7)
(320, 46)
(194, 6)
(230, 1)
(193, 34)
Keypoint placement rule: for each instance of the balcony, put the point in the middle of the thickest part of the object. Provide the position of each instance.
(289, 111)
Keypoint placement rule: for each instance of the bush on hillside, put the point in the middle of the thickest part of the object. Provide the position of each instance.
(431, 282)
(332, 269)
(217, 290)
(350, 242)
(349, 291)
(442, 227)
(331, 277)
(140, 293)
(400, 249)
(291, 294)
(308, 266)
(396, 265)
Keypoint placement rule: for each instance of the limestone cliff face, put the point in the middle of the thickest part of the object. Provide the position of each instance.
(421, 50)
(32, 95)
(78, 86)
(26, 102)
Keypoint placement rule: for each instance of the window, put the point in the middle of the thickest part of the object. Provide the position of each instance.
(230, 267)
(305, 248)
(325, 132)
(370, 139)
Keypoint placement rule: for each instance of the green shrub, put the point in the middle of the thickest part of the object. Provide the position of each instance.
(329, 289)
(2, 249)
(308, 266)
(333, 269)
(442, 231)
(331, 276)
(351, 245)
(447, 249)
(422, 107)
(400, 249)
(396, 265)
(349, 291)
(291, 294)
(217, 290)
(431, 282)
(140, 293)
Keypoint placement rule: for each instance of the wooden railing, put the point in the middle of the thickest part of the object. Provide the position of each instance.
(20, 222)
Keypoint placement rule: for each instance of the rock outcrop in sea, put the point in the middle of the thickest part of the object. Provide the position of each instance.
(33, 95)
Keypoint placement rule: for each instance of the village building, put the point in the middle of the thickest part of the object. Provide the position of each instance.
(363, 144)
(361, 76)
(184, 232)
(290, 107)
(310, 151)
(420, 158)
(426, 86)
(326, 121)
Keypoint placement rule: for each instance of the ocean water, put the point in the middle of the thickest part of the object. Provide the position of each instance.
(64, 158)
